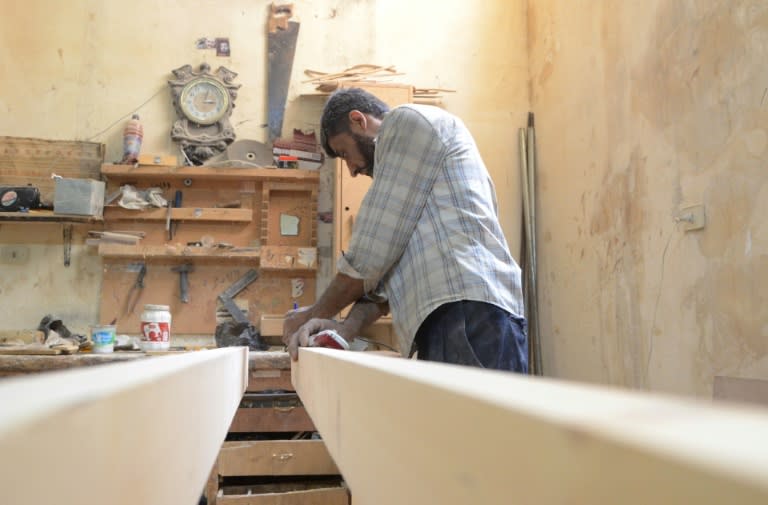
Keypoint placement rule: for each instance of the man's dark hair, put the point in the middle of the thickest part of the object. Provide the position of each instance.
(335, 118)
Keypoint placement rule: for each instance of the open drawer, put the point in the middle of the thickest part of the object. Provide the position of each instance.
(275, 457)
(283, 494)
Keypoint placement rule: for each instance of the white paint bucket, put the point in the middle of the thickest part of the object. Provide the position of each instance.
(103, 338)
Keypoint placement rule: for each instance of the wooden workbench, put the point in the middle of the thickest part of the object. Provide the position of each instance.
(270, 367)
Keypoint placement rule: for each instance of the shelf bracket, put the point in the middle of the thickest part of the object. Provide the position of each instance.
(67, 237)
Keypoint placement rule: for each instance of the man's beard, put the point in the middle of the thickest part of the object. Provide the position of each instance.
(367, 148)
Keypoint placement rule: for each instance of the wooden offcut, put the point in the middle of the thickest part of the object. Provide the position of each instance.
(412, 432)
(146, 431)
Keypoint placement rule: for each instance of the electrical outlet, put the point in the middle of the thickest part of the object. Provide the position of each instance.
(692, 217)
(14, 254)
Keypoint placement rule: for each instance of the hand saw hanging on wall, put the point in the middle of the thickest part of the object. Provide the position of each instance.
(282, 34)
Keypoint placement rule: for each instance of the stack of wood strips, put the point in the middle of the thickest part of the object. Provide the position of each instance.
(114, 237)
(327, 83)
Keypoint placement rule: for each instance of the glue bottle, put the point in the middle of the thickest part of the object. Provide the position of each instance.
(132, 137)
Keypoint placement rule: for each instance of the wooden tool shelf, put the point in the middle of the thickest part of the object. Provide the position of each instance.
(210, 173)
(281, 258)
(182, 214)
(229, 221)
(47, 216)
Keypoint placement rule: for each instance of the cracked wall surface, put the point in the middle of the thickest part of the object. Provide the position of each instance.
(643, 108)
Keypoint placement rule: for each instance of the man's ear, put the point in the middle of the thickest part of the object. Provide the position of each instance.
(357, 122)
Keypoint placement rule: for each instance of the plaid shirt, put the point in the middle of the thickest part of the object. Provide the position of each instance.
(428, 231)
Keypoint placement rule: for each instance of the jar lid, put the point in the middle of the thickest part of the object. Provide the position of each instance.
(157, 307)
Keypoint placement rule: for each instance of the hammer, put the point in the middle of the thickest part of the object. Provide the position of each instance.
(184, 279)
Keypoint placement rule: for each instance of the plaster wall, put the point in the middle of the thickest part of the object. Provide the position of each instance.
(643, 108)
(76, 70)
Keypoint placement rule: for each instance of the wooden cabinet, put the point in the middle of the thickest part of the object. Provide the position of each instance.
(349, 193)
(230, 220)
(267, 458)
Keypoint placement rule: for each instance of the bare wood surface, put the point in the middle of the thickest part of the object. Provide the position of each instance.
(47, 216)
(327, 496)
(269, 360)
(108, 250)
(476, 436)
(198, 172)
(147, 431)
(271, 419)
(22, 365)
(270, 293)
(275, 457)
(200, 214)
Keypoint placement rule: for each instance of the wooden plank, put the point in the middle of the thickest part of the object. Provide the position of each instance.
(47, 215)
(180, 214)
(23, 365)
(269, 380)
(212, 486)
(147, 431)
(271, 419)
(199, 172)
(275, 457)
(739, 389)
(109, 250)
(272, 325)
(328, 496)
(476, 436)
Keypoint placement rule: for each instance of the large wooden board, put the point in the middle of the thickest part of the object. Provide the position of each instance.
(32, 161)
(270, 293)
(263, 195)
(447, 434)
(144, 432)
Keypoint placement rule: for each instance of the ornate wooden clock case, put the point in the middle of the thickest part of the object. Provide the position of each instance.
(203, 103)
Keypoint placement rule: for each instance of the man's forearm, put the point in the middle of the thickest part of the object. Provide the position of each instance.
(342, 291)
(363, 314)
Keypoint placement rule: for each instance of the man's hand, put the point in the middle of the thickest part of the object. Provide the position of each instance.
(300, 338)
(294, 319)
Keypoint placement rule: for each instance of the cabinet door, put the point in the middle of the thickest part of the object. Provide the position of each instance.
(350, 190)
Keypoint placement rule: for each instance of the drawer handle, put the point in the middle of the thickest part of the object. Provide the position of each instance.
(284, 456)
(284, 409)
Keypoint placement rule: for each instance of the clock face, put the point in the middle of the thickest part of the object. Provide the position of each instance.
(204, 101)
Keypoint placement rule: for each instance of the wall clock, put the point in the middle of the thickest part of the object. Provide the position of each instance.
(203, 101)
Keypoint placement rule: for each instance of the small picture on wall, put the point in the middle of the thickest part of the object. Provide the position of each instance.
(222, 47)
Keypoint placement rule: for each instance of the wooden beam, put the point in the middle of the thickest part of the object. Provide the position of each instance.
(410, 432)
(147, 431)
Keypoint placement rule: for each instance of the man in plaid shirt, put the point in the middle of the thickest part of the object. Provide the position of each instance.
(426, 243)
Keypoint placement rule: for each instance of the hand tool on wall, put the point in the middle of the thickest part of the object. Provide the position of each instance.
(281, 48)
(226, 297)
(241, 332)
(176, 204)
(135, 293)
(183, 271)
(168, 220)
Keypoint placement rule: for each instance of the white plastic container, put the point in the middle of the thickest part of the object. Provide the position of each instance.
(103, 338)
(156, 328)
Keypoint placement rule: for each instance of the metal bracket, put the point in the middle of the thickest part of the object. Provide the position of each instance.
(67, 236)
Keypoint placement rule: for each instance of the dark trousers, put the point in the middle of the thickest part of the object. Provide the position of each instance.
(475, 334)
